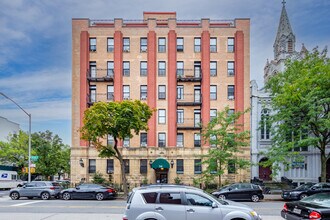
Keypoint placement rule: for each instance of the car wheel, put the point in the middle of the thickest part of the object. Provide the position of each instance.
(66, 196)
(30, 197)
(255, 198)
(45, 196)
(223, 197)
(14, 195)
(99, 196)
(302, 196)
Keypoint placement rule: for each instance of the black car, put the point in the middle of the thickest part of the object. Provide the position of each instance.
(89, 191)
(240, 191)
(313, 207)
(305, 190)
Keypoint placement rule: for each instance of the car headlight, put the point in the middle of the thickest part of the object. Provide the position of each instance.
(255, 215)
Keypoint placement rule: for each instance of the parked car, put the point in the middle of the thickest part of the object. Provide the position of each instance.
(305, 190)
(41, 189)
(240, 191)
(316, 206)
(89, 191)
(182, 202)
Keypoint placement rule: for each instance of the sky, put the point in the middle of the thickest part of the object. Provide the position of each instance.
(35, 45)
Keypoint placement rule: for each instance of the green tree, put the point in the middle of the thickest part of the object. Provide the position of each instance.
(227, 138)
(54, 155)
(118, 119)
(15, 151)
(301, 103)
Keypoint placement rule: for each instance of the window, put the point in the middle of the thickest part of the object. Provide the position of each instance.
(143, 92)
(143, 139)
(197, 200)
(179, 140)
(161, 68)
(231, 68)
(126, 142)
(110, 166)
(143, 166)
(162, 45)
(161, 139)
(179, 166)
(213, 141)
(197, 140)
(213, 114)
(179, 44)
(126, 93)
(197, 45)
(143, 44)
(231, 167)
(197, 94)
(92, 93)
(213, 68)
(213, 44)
(197, 166)
(126, 165)
(231, 92)
(161, 116)
(213, 166)
(197, 118)
(161, 92)
(110, 93)
(126, 66)
(92, 69)
(179, 69)
(143, 68)
(170, 198)
(150, 197)
(111, 44)
(231, 44)
(179, 91)
(179, 116)
(111, 141)
(231, 111)
(92, 166)
(126, 46)
(213, 92)
(110, 68)
(92, 44)
(265, 125)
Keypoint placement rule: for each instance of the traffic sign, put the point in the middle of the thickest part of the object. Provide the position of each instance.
(34, 158)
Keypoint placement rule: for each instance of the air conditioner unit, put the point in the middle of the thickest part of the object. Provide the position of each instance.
(126, 145)
(144, 98)
(230, 97)
(144, 50)
(179, 145)
(126, 98)
(126, 50)
(143, 145)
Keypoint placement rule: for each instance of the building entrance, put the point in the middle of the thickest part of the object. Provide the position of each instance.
(161, 176)
(328, 170)
(265, 172)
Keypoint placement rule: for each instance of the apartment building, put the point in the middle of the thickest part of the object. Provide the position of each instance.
(187, 70)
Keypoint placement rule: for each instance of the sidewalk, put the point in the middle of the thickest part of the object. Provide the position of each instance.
(272, 197)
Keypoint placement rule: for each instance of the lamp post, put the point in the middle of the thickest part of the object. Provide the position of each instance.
(29, 172)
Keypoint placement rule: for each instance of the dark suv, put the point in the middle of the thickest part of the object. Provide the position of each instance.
(305, 190)
(240, 191)
(42, 189)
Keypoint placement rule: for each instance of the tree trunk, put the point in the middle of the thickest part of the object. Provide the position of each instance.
(122, 166)
(323, 164)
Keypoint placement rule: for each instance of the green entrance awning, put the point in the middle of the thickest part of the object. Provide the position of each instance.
(160, 163)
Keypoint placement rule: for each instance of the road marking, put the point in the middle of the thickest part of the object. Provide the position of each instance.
(26, 203)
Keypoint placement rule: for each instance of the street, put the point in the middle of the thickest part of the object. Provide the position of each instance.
(54, 209)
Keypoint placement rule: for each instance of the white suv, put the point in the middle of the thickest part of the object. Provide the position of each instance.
(176, 202)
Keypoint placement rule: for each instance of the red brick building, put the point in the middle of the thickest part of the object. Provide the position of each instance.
(187, 70)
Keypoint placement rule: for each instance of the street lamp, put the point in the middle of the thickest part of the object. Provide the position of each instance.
(29, 172)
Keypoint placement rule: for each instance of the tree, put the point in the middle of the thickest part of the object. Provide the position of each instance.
(301, 103)
(226, 139)
(15, 151)
(117, 119)
(54, 155)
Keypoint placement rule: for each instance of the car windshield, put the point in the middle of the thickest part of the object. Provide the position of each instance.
(321, 199)
(222, 202)
(225, 188)
(305, 186)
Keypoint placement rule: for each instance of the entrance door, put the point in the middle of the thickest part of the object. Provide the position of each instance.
(264, 172)
(328, 170)
(161, 177)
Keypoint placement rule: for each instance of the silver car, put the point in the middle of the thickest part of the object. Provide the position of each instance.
(42, 189)
(162, 202)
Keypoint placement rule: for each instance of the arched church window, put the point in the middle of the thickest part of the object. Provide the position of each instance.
(290, 46)
(265, 125)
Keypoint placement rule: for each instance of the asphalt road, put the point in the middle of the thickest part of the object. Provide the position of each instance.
(54, 209)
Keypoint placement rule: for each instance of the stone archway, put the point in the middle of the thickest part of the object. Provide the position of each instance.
(265, 172)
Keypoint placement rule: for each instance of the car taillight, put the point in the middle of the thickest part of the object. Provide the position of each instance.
(285, 207)
(52, 188)
(314, 215)
(111, 190)
(125, 218)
